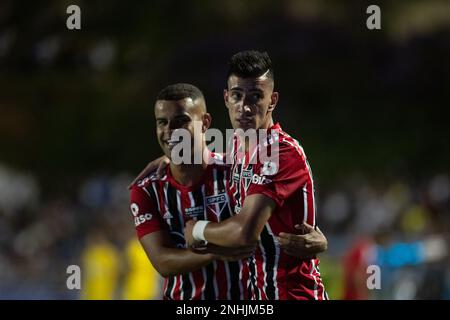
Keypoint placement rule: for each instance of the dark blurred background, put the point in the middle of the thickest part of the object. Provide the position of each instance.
(76, 125)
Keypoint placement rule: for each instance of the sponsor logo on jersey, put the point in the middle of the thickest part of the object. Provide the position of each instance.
(194, 211)
(142, 218)
(260, 179)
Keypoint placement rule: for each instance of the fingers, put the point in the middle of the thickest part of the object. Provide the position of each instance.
(287, 241)
(319, 231)
(159, 165)
(305, 227)
(142, 174)
(162, 166)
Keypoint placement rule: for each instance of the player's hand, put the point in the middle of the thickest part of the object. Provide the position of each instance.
(308, 243)
(159, 165)
(226, 254)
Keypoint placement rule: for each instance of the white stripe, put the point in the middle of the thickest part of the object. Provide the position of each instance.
(180, 213)
(146, 191)
(277, 259)
(227, 271)
(191, 198)
(216, 188)
(313, 204)
(205, 215)
(181, 288)
(305, 204)
(315, 280)
(191, 277)
(296, 147)
(204, 282)
(214, 262)
(156, 194)
(216, 288)
(255, 277)
(173, 289)
(263, 254)
(241, 289)
(216, 192)
(166, 208)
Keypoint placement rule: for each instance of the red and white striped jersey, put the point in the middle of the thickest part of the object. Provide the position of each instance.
(273, 273)
(164, 204)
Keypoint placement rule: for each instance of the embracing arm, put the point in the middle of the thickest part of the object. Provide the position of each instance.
(242, 229)
(167, 259)
(308, 243)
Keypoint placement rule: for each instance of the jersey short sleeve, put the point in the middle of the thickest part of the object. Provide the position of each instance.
(145, 213)
(291, 174)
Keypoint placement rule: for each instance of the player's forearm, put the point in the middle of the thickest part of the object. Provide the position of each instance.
(173, 261)
(231, 233)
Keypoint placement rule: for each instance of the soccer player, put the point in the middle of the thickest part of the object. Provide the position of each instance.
(162, 205)
(273, 203)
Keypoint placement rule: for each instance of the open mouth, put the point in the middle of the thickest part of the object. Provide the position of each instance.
(172, 143)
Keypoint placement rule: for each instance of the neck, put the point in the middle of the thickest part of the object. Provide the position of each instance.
(189, 174)
(269, 123)
(266, 125)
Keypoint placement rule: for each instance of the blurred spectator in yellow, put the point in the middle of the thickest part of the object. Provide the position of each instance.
(100, 269)
(141, 282)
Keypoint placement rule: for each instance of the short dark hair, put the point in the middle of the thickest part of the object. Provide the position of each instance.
(250, 64)
(180, 91)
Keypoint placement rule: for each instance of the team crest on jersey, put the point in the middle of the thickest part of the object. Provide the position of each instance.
(247, 177)
(217, 203)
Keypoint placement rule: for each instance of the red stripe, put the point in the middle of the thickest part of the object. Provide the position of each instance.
(199, 283)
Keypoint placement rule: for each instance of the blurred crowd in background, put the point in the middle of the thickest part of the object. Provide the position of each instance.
(76, 126)
(400, 226)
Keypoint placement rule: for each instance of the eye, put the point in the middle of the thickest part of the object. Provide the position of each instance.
(180, 122)
(236, 95)
(161, 122)
(255, 97)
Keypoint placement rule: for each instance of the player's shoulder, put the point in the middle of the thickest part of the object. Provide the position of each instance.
(290, 146)
(148, 180)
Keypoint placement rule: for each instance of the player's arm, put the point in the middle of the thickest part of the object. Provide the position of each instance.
(167, 259)
(159, 247)
(242, 229)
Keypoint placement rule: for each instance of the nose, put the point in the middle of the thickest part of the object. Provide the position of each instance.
(167, 132)
(244, 107)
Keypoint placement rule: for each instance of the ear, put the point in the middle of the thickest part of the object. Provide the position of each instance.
(206, 122)
(273, 101)
(225, 97)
